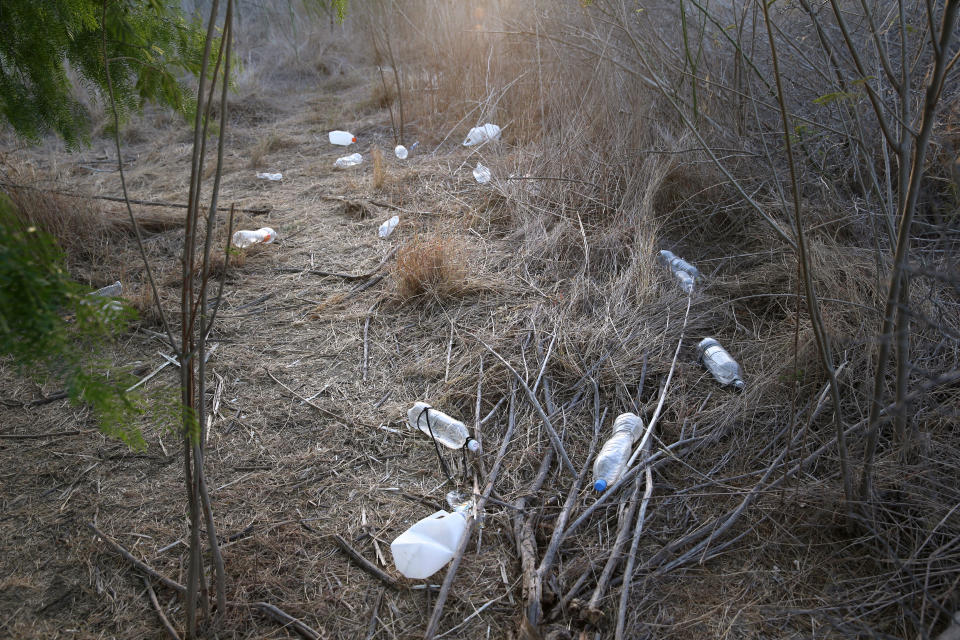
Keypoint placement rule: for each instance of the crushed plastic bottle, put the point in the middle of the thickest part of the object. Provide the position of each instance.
(348, 161)
(485, 133)
(243, 238)
(387, 227)
(274, 177)
(720, 364)
(685, 273)
(424, 548)
(342, 138)
(615, 453)
(673, 262)
(114, 290)
(400, 151)
(448, 431)
(482, 174)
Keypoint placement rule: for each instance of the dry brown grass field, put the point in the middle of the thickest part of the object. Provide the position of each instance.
(326, 337)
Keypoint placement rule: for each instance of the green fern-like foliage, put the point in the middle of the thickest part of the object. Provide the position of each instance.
(150, 46)
(51, 326)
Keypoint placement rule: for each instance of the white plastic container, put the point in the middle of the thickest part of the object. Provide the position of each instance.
(448, 431)
(615, 453)
(720, 364)
(485, 133)
(387, 227)
(348, 161)
(342, 138)
(423, 549)
(482, 174)
(243, 238)
(401, 152)
(273, 177)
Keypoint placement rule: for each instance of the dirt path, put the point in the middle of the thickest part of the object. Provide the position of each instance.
(285, 476)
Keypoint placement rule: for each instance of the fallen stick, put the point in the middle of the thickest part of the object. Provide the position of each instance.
(344, 276)
(129, 557)
(156, 605)
(287, 620)
(434, 621)
(365, 564)
(326, 412)
(372, 627)
(49, 434)
(632, 555)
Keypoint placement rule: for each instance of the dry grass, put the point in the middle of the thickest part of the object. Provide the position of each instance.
(433, 265)
(266, 146)
(379, 171)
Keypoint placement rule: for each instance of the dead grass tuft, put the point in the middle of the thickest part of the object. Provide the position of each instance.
(270, 144)
(433, 265)
(379, 172)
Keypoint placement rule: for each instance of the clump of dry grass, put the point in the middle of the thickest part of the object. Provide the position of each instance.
(270, 144)
(379, 171)
(431, 265)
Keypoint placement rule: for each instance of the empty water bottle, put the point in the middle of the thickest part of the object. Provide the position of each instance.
(615, 454)
(685, 273)
(114, 290)
(243, 238)
(273, 177)
(720, 363)
(342, 138)
(400, 151)
(482, 174)
(423, 549)
(387, 227)
(448, 431)
(482, 134)
(348, 161)
(673, 261)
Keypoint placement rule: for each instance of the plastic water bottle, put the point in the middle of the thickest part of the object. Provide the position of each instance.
(721, 364)
(448, 431)
(482, 174)
(423, 549)
(615, 454)
(387, 227)
(400, 151)
(342, 138)
(114, 290)
(674, 262)
(348, 161)
(243, 238)
(485, 133)
(273, 177)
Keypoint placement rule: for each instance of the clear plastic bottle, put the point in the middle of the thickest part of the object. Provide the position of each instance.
(720, 363)
(387, 227)
(674, 262)
(448, 431)
(616, 451)
(401, 152)
(342, 138)
(114, 290)
(348, 161)
(244, 238)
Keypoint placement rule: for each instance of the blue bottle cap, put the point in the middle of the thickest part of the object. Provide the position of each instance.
(600, 485)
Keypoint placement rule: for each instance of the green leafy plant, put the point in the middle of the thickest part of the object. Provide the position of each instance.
(51, 326)
(149, 46)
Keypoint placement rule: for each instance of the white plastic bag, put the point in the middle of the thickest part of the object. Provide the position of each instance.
(348, 161)
(482, 134)
(401, 152)
(387, 227)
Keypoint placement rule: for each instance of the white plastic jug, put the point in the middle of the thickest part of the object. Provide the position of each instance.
(245, 238)
(342, 138)
(423, 549)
